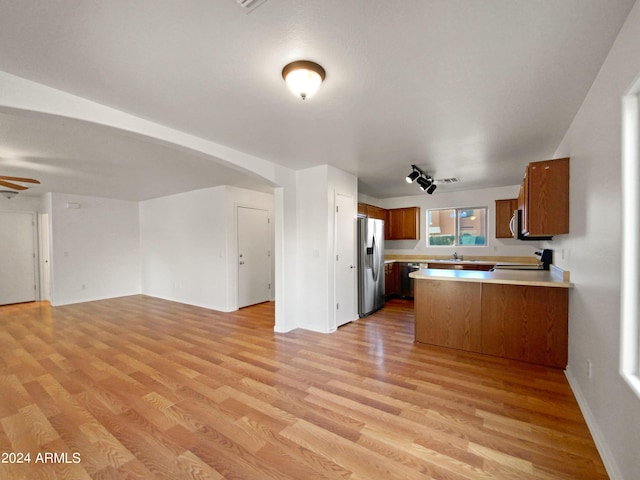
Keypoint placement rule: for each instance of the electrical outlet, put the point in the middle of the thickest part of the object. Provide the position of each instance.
(589, 369)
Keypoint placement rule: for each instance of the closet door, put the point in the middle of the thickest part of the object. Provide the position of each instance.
(17, 257)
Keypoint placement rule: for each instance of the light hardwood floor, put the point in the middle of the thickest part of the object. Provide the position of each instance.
(142, 388)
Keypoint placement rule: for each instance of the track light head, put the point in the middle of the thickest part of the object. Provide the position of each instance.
(412, 176)
(424, 183)
(432, 188)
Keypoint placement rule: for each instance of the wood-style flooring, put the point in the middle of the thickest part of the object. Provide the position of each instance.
(142, 388)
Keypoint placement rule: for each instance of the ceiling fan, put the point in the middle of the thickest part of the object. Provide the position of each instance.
(9, 182)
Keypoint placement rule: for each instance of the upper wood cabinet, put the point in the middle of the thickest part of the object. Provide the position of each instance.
(371, 211)
(403, 224)
(544, 198)
(363, 210)
(399, 223)
(504, 213)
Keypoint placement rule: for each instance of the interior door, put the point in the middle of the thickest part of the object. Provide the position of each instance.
(254, 256)
(345, 271)
(17, 258)
(45, 257)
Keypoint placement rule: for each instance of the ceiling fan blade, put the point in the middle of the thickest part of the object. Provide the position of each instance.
(19, 179)
(12, 185)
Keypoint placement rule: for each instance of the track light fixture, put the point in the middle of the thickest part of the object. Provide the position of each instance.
(424, 180)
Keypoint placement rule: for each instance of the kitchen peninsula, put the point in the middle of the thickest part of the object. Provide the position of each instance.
(515, 314)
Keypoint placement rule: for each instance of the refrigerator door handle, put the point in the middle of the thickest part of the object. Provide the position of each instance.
(374, 270)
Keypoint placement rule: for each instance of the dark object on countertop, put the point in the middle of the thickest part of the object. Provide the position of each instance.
(545, 256)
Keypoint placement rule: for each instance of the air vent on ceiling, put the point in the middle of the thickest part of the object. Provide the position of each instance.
(250, 5)
(447, 181)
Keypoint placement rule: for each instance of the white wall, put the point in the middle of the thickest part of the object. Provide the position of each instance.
(95, 249)
(286, 254)
(315, 221)
(24, 203)
(313, 248)
(592, 254)
(184, 248)
(469, 198)
(189, 245)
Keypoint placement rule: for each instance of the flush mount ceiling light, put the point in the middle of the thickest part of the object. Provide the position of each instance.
(9, 194)
(425, 181)
(303, 77)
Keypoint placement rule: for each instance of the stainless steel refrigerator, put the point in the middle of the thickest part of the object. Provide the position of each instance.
(370, 265)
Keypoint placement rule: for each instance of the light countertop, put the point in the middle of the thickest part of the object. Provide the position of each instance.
(543, 278)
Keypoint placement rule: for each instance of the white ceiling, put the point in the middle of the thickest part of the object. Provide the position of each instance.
(473, 89)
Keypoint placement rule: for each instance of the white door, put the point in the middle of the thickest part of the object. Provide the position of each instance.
(17, 258)
(345, 271)
(45, 264)
(254, 256)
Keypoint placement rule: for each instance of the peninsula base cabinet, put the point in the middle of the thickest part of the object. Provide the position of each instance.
(519, 322)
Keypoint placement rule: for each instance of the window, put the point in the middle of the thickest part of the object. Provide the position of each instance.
(630, 311)
(457, 226)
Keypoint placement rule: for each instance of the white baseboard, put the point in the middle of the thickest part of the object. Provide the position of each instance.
(603, 449)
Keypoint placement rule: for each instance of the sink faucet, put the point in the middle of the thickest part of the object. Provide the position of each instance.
(456, 256)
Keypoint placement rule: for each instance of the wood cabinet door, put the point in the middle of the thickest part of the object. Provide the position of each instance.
(377, 212)
(504, 213)
(387, 225)
(371, 211)
(526, 323)
(547, 197)
(363, 210)
(403, 223)
(393, 225)
(390, 279)
(448, 314)
(411, 223)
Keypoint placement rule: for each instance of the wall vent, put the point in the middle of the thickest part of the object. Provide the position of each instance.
(447, 181)
(250, 5)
